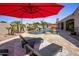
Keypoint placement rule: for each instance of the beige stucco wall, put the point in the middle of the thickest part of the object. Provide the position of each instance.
(77, 20)
(74, 16)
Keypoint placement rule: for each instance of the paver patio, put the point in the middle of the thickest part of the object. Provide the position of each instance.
(69, 48)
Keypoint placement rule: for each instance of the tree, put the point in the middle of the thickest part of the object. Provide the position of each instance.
(16, 25)
(3, 22)
(44, 24)
(12, 29)
(19, 26)
(22, 26)
(8, 28)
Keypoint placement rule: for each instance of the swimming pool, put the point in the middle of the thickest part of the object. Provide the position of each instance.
(41, 31)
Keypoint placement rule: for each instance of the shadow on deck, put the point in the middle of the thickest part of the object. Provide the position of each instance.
(51, 50)
(69, 38)
(15, 47)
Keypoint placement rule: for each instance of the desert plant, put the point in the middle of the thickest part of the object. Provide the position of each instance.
(72, 32)
(8, 28)
(13, 30)
(22, 26)
(18, 26)
(44, 24)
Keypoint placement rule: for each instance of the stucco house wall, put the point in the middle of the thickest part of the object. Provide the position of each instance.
(75, 16)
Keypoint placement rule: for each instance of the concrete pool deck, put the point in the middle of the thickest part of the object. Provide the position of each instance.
(69, 49)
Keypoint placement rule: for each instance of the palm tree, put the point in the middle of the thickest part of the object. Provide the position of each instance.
(22, 27)
(19, 26)
(16, 25)
(12, 29)
(44, 24)
(35, 25)
(8, 28)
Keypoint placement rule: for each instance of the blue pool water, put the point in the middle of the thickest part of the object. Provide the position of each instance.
(41, 31)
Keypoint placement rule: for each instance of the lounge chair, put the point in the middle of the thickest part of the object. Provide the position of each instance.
(27, 46)
(49, 50)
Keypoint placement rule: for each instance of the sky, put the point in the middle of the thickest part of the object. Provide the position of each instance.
(68, 9)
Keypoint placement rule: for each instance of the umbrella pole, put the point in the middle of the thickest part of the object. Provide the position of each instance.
(21, 24)
(43, 24)
(21, 20)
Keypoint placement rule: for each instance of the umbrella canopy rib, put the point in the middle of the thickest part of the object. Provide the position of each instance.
(10, 11)
(30, 10)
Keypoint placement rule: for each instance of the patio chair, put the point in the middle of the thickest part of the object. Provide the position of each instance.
(23, 41)
(49, 50)
(28, 47)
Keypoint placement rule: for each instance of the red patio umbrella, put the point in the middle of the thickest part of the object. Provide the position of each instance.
(29, 10)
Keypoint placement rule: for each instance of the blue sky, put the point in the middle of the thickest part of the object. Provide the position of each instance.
(68, 9)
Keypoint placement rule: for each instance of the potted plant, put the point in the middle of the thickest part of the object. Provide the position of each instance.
(72, 32)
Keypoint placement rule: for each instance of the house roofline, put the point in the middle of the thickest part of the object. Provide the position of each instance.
(70, 14)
